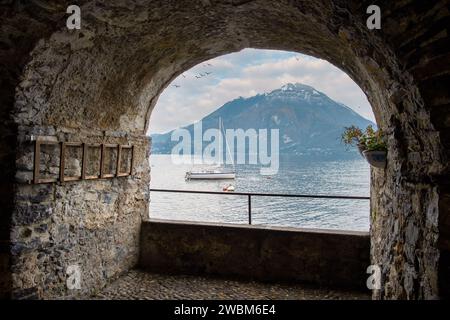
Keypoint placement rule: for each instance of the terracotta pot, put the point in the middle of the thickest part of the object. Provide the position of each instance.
(376, 159)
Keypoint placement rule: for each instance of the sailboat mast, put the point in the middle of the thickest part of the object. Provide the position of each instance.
(227, 146)
(220, 141)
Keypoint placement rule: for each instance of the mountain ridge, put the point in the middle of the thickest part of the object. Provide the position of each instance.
(310, 122)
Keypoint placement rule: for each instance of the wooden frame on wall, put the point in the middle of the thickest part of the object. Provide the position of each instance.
(93, 146)
(37, 179)
(105, 148)
(37, 161)
(126, 173)
(62, 166)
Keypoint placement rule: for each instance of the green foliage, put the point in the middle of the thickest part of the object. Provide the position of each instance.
(368, 140)
(351, 135)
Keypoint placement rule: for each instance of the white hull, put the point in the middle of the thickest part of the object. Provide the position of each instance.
(213, 174)
(210, 175)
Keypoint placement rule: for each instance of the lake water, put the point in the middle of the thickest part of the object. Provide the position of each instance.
(296, 175)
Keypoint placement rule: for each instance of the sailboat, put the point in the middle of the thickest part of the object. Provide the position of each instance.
(215, 174)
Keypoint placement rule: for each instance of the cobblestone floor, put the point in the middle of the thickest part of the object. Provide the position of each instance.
(141, 285)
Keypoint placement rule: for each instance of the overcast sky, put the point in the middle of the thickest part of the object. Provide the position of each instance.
(246, 74)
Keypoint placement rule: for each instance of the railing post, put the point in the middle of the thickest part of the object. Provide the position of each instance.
(249, 209)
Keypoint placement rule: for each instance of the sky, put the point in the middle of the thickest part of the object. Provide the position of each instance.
(244, 74)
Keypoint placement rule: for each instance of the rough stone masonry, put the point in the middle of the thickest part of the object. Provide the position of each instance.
(100, 84)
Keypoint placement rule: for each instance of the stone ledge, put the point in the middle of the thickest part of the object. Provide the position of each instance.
(324, 257)
(260, 227)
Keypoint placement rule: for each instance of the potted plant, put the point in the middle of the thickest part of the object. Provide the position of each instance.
(371, 144)
(352, 136)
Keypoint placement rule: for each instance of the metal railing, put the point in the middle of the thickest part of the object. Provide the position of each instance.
(253, 194)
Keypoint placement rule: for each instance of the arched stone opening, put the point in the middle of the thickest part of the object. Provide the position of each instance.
(100, 84)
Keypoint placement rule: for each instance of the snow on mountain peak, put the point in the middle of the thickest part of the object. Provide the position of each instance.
(296, 90)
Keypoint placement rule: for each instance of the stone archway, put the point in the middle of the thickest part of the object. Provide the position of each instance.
(100, 84)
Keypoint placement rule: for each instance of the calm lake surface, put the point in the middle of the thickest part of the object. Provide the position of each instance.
(296, 175)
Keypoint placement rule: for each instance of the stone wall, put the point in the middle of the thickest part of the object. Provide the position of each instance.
(259, 253)
(410, 208)
(93, 224)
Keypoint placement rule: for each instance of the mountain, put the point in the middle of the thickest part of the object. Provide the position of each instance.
(309, 122)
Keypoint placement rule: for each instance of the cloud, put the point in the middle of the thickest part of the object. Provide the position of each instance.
(245, 74)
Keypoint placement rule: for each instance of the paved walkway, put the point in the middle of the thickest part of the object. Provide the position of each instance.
(138, 284)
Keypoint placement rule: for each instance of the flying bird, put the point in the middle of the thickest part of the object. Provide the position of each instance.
(208, 73)
(176, 86)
